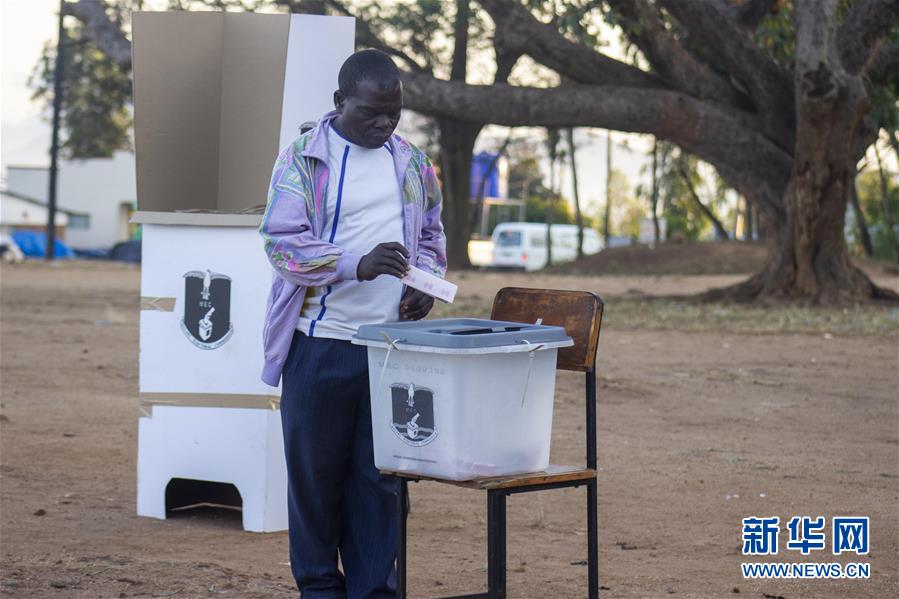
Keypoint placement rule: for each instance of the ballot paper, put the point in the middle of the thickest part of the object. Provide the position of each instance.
(430, 284)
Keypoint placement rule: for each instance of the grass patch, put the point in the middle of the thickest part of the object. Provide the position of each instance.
(686, 316)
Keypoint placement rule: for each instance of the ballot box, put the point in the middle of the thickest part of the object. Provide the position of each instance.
(217, 95)
(462, 398)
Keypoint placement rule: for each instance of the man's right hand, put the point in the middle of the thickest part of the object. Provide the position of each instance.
(385, 259)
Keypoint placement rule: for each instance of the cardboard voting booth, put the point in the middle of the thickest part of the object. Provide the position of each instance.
(217, 95)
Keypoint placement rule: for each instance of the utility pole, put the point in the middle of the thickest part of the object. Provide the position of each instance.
(54, 144)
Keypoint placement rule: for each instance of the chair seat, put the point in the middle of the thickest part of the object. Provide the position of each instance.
(552, 475)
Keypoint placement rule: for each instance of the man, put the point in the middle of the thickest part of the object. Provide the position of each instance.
(351, 206)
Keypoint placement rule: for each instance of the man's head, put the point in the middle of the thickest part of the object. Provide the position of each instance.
(370, 98)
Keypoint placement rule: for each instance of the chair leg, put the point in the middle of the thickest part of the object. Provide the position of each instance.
(496, 544)
(592, 542)
(402, 490)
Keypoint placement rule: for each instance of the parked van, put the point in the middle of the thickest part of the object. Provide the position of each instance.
(523, 245)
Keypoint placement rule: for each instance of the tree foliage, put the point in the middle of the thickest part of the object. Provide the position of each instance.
(870, 196)
(537, 208)
(777, 95)
(96, 117)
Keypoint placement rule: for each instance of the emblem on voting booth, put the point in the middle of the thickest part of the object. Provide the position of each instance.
(413, 414)
(207, 308)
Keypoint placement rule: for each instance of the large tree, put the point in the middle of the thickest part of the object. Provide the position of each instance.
(785, 135)
(786, 132)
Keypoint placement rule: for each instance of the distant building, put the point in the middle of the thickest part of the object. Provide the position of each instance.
(21, 213)
(490, 177)
(496, 172)
(101, 190)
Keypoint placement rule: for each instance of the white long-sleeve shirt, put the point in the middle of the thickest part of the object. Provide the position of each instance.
(364, 208)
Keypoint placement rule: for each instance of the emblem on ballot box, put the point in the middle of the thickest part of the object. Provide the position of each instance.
(207, 308)
(413, 414)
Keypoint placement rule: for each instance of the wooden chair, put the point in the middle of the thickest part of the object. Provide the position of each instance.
(580, 312)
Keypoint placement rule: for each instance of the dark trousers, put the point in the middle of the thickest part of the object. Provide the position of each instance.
(337, 500)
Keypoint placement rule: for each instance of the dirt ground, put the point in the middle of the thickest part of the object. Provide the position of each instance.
(697, 429)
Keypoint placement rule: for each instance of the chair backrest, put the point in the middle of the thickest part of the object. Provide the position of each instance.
(580, 312)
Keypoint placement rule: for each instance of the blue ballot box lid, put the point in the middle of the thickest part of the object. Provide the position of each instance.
(463, 333)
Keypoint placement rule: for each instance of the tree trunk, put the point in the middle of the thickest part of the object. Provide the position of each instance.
(894, 142)
(810, 260)
(863, 234)
(608, 214)
(552, 142)
(550, 217)
(457, 140)
(887, 209)
(654, 195)
(733, 234)
(748, 234)
(578, 217)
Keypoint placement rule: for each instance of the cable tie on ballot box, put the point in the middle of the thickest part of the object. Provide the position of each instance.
(527, 379)
(391, 345)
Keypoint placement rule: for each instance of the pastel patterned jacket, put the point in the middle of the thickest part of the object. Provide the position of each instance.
(297, 248)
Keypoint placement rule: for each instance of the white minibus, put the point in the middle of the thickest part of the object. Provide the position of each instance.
(523, 245)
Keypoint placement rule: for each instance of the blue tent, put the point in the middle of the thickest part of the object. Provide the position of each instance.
(126, 251)
(34, 244)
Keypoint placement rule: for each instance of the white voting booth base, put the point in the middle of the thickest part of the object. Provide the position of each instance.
(243, 447)
(207, 416)
(216, 96)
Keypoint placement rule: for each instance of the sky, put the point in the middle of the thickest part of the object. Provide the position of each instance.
(25, 25)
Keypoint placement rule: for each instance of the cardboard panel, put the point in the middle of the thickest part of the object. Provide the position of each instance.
(316, 49)
(253, 63)
(177, 98)
(217, 94)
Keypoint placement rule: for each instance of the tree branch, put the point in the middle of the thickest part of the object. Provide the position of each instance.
(720, 231)
(750, 13)
(106, 33)
(884, 67)
(863, 28)
(716, 136)
(366, 36)
(668, 56)
(459, 66)
(506, 52)
(768, 84)
(545, 44)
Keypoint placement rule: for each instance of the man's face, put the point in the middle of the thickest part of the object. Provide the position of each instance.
(369, 116)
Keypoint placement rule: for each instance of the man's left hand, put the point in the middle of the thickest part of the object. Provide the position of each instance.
(415, 305)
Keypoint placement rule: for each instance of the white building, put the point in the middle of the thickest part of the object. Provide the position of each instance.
(103, 189)
(18, 212)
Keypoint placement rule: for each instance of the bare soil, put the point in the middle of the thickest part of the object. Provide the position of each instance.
(698, 428)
